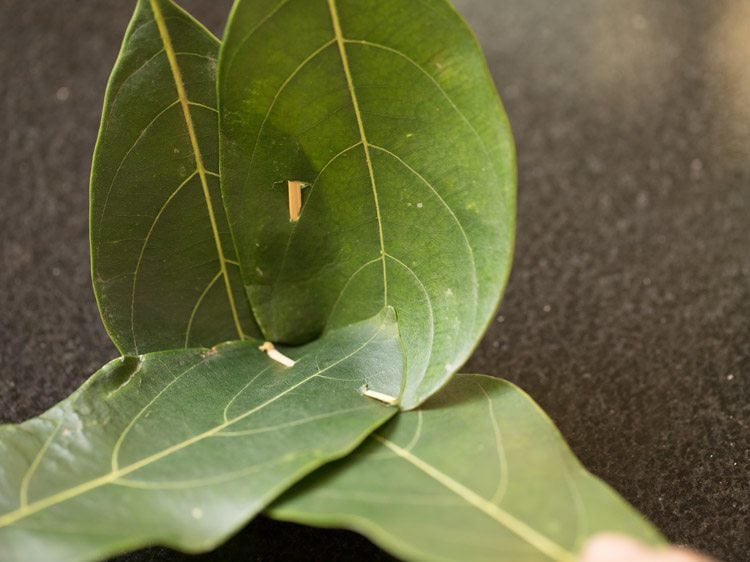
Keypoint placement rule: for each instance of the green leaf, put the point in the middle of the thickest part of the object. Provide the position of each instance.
(479, 473)
(183, 447)
(387, 110)
(163, 262)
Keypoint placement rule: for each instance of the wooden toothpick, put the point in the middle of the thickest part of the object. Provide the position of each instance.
(295, 198)
(379, 396)
(276, 355)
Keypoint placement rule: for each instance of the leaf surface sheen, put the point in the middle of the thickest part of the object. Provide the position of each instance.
(163, 262)
(182, 448)
(387, 110)
(477, 473)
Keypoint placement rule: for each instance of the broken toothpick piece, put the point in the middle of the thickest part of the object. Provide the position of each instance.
(385, 398)
(295, 199)
(276, 355)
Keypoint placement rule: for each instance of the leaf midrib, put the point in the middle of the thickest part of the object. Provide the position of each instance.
(341, 42)
(185, 104)
(29, 509)
(54, 499)
(541, 542)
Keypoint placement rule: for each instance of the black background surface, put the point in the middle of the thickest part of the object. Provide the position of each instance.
(628, 312)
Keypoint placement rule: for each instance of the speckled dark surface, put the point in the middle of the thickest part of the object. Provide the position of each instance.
(628, 313)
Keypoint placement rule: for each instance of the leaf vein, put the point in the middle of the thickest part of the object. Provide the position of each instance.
(426, 296)
(283, 86)
(139, 260)
(295, 423)
(341, 42)
(23, 499)
(436, 83)
(119, 168)
(469, 249)
(239, 393)
(184, 102)
(117, 474)
(417, 433)
(265, 19)
(199, 482)
(203, 106)
(293, 230)
(121, 438)
(502, 484)
(197, 305)
(539, 541)
(346, 286)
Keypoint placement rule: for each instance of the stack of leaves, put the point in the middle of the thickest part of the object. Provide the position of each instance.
(375, 281)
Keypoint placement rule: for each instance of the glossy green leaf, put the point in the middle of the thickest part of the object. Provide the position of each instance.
(386, 109)
(182, 447)
(163, 262)
(478, 473)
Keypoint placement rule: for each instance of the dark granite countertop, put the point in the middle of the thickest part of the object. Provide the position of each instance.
(628, 312)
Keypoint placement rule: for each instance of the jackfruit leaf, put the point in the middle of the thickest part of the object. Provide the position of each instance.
(386, 110)
(163, 262)
(477, 473)
(183, 447)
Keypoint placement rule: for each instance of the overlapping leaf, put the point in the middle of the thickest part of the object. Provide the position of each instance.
(386, 109)
(478, 473)
(183, 447)
(163, 262)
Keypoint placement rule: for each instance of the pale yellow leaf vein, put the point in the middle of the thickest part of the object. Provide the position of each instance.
(118, 473)
(437, 84)
(116, 175)
(340, 41)
(237, 394)
(276, 97)
(502, 484)
(139, 260)
(263, 21)
(427, 351)
(287, 247)
(203, 106)
(115, 457)
(295, 423)
(417, 432)
(582, 530)
(346, 286)
(197, 305)
(28, 475)
(539, 541)
(200, 482)
(435, 192)
(182, 95)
